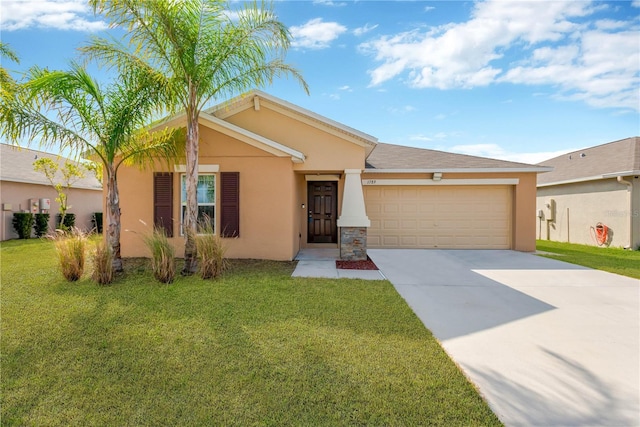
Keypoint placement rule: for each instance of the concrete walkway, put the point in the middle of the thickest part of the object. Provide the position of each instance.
(547, 343)
(322, 263)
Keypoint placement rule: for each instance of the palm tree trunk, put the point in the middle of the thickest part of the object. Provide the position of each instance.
(113, 219)
(191, 214)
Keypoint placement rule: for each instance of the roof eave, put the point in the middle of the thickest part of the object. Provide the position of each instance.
(532, 169)
(623, 173)
(46, 184)
(591, 178)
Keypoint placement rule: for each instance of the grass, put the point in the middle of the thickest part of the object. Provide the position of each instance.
(256, 347)
(614, 260)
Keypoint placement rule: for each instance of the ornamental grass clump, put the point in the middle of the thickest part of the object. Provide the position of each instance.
(103, 273)
(70, 247)
(163, 262)
(211, 251)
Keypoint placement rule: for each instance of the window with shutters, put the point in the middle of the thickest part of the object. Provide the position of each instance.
(206, 196)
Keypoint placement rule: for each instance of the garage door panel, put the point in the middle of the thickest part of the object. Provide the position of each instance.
(391, 225)
(426, 241)
(411, 241)
(374, 241)
(439, 217)
(409, 208)
(408, 224)
(390, 241)
(391, 208)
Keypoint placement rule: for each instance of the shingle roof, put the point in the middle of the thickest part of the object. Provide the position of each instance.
(618, 158)
(16, 164)
(398, 157)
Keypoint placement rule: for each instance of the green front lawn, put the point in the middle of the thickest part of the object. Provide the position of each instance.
(257, 347)
(614, 260)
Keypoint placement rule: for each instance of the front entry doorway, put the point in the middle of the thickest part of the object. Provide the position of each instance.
(323, 212)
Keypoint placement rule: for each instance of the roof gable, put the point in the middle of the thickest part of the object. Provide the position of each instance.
(229, 129)
(617, 158)
(250, 138)
(257, 99)
(398, 158)
(16, 165)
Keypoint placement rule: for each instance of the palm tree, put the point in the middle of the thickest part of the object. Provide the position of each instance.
(71, 110)
(7, 84)
(196, 52)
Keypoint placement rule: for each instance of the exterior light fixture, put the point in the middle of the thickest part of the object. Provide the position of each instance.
(437, 176)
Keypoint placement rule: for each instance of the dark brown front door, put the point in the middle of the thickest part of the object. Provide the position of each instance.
(323, 211)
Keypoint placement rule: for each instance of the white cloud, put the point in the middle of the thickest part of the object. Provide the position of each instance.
(329, 3)
(420, 137)
(428, 8)
(364, 30)
(602, 71)
(56, 14)
(635, 3)
(346, 88)
(401, 110)
(316, 34)
(596, 63)
(494, 151)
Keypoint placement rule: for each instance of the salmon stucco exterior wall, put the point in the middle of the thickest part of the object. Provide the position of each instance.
(84, 203)
(267, 184)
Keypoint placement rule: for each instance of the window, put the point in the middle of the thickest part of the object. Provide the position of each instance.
(206, 196)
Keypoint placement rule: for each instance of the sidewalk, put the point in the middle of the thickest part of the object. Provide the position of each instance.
(322, 263)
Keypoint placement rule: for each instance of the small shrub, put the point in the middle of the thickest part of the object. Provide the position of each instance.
(97, 222)
(23, 223)
(211, 252)
(70, 248)
(69, 221)
(41, 225)
(103, 273)
(163, 262)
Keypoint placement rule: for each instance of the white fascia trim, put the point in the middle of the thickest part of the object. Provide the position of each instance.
(590, 178)
(479, 181)
(538, 169)
(251, 138)
(617, 174)
(201, 168)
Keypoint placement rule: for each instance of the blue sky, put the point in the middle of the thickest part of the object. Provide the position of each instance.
(515, 80)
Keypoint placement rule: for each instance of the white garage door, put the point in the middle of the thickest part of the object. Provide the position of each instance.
(453, 217)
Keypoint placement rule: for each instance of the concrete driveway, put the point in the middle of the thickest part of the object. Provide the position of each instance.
(547, 343)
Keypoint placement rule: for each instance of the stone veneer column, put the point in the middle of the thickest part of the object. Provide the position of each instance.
(353, 221)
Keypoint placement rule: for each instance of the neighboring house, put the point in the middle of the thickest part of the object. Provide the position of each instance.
(21, 186)
(592, 196)
(277, 178)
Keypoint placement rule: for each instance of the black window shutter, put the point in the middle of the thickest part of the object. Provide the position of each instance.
(230, 204)
(163, 201)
